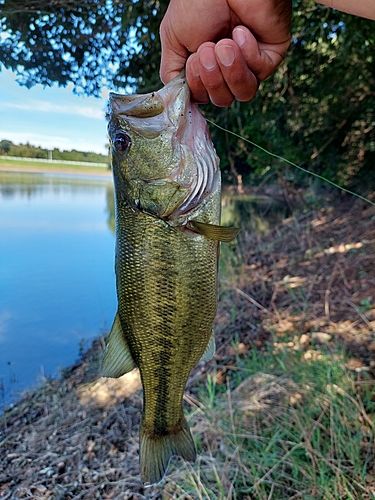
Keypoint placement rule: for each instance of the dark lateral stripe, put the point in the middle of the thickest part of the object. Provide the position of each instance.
(166, 311)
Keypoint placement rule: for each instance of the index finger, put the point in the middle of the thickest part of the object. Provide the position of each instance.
(173, 55)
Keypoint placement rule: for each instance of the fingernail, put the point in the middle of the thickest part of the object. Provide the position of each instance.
(207, 58)
(226, 54)
(194, 67)
(239, 36)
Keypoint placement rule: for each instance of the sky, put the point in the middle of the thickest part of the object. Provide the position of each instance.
(51, 117)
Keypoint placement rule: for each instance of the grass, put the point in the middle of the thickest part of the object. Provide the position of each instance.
(282, 427)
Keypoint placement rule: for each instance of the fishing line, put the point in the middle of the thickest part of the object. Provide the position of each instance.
(274, 155)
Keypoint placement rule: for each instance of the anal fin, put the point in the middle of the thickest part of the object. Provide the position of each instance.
(214, 232)
(117, 358)
(210, 349)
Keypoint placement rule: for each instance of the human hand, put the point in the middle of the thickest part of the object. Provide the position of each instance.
(228, 46)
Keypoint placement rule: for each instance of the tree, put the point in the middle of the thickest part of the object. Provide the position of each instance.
(90, 43)
(317, 110)
(5, 146)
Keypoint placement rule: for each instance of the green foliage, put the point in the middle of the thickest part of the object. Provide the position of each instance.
(23, 150)
(317, 110)
(88, 42)
(75, 155)
(7, 148)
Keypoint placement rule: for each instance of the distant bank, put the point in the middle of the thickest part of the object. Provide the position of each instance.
(36, 165)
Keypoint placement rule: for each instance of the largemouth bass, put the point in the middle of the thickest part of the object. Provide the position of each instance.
(167, 199)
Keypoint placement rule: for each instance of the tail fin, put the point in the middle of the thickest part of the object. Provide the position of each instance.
(155, 452)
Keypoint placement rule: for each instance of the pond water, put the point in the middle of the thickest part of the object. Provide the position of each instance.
(57, 282)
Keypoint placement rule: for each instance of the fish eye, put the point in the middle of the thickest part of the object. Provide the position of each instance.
(121, 142)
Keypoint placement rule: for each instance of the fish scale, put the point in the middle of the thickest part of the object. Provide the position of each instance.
(161, 288)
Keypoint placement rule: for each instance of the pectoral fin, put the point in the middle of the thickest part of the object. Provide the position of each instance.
(117, 358)
(213, 232)
(210, 349)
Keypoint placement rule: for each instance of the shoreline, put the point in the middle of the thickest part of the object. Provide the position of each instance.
(98, 171)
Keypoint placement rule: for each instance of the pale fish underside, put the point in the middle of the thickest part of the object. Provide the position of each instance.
(167, 198)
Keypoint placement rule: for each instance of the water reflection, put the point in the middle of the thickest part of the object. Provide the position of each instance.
(111, 208)
(29, 185)
(57, 284)
(255, 216)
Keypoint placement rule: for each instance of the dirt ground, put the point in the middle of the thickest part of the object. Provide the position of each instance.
(311, 280)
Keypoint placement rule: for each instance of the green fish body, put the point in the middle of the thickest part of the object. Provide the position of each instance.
(167, 198)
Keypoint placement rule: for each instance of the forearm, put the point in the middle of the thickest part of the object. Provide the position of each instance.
(362, 8)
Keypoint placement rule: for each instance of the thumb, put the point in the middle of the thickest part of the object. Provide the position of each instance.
(173, 55)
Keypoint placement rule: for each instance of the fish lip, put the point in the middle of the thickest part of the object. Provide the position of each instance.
(150, 106)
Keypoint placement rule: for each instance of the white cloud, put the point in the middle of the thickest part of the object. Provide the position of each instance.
(51, 117)
(51, 141)
(96, 113)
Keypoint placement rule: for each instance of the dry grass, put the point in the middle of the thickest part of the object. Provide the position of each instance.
(312, 274)
(280, 413)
